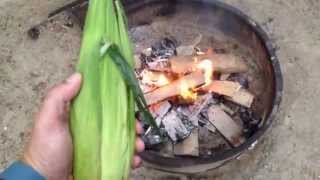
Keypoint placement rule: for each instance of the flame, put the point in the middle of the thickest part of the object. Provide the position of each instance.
(185, 91)
(162, 80)
(152, 78)
(206, 65)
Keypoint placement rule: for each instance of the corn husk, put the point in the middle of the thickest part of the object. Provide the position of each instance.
(102, 116)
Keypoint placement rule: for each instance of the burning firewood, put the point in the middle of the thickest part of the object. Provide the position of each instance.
(192, 80)
(226, 126)
(223, 63)
(154, 78)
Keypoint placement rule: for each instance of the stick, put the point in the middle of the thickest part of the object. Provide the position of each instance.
(193, 80)
(223, 63)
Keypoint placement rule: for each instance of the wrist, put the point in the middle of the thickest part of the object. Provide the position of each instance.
(28, 160)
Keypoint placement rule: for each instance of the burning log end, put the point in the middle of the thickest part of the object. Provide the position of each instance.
(223, 63)
(193, 80)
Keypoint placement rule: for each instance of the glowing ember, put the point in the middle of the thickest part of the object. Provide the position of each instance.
(206, 65)
(185, 91)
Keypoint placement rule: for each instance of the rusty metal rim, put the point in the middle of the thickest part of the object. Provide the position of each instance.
(166, 163)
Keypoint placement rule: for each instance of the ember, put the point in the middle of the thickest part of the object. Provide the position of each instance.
(166, 77)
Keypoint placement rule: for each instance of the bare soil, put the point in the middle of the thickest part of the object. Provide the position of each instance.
(291, 150)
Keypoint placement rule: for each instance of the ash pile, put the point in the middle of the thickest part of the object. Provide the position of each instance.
(198, 97)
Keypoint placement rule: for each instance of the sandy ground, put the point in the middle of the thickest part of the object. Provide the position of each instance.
(290, 151)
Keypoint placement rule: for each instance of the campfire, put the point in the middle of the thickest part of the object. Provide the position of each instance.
(189, 90)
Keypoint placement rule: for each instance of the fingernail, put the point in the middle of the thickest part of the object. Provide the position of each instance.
(74, 77)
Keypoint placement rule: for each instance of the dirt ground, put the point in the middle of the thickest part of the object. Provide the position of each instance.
(291, 150)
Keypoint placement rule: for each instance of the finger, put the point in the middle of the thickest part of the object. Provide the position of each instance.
(67, 90)
(54, 106)
(139, 145)
(139, 129)
(137, 161)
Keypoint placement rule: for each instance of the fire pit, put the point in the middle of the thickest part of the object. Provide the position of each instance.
(215, 30)
(210, 77)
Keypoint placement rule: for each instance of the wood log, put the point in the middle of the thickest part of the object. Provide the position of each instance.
(233, 91)
(189, 146)
(223, 63)
(226, 126)
(242, 97)
(224, 77)
(226, 88)
(193, 80)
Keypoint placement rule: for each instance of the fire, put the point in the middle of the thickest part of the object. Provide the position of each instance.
(162, 81)
(185, 91)
(206, 65)
(152, 78)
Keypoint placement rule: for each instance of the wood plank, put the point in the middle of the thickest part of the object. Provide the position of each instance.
(188, 147)
(242, 97)
(227, 88)
(226, 126)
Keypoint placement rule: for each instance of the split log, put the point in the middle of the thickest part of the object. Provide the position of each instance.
(226, 88)
(233, 91)
(223, 63)
(227, 109)
(224, 77)
(226, 126)
(242, 97)
(193, 80)
(188, 147)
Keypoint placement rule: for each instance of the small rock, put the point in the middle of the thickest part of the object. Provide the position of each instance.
(34, 33)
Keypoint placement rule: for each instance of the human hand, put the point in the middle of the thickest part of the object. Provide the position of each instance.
(50, 150)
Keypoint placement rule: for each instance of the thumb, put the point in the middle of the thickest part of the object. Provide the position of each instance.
(70, 88)
(67, 90)
(61, 95)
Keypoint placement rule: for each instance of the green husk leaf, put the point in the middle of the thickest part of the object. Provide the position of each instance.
(131, 80)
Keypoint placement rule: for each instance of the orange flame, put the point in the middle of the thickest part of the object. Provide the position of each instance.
(185, 91)
(206, 65)
(151, 78)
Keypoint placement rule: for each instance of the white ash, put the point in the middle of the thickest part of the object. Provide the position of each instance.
(174, 126)
(201, 105)
(161, 112)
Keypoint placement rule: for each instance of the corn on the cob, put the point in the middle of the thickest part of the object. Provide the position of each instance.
(102, 116)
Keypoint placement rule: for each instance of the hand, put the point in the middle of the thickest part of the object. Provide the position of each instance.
(50, 150)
